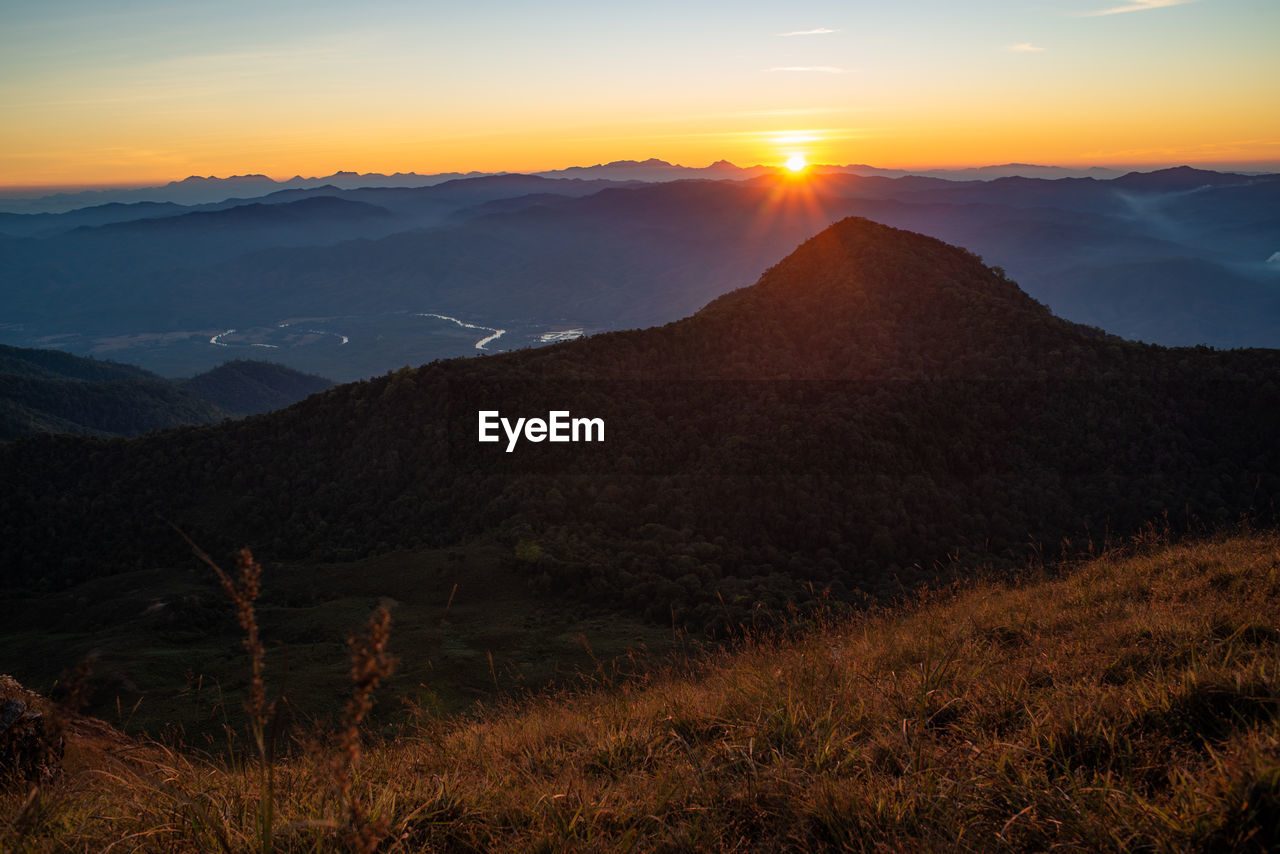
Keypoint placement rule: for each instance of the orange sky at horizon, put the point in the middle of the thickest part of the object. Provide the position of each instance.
(155, 93)
(534, 154)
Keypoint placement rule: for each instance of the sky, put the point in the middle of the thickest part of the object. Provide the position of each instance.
(146, 91)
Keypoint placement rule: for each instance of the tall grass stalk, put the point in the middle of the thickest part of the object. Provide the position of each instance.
(371, 663)
(243, 591)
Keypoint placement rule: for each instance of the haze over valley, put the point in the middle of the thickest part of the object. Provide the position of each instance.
(350, 283)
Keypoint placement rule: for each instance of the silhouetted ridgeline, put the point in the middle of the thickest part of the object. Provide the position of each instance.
(878, 404)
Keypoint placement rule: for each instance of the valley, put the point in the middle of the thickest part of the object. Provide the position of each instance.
(317, 342)
(1174, 257)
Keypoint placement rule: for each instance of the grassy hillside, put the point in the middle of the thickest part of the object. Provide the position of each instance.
(166, 653)
(1129, 704)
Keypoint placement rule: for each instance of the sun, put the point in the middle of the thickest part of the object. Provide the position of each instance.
(796, 163)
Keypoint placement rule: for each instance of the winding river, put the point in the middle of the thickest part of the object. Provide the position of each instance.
(480, 345)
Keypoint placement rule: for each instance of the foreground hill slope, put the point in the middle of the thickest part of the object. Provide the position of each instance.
(878, 407)
(1129, 704)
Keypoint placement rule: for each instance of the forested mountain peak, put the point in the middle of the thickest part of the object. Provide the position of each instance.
(864, 300)
(857, 264)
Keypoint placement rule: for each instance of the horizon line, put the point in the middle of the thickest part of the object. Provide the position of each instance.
(1245, 167)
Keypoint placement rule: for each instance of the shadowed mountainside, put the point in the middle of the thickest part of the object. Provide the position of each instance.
(879, 407)
(47, 391)
(244, 387)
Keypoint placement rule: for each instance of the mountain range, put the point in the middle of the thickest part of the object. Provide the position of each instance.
(878, 410)
(197, 189)
(390, 276)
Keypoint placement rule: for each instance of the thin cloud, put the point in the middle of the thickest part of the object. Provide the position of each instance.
(818, 31)
(822, 69)
(1025, 47)
(1137, 6)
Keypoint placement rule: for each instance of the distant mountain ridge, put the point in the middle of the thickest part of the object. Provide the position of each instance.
(197, 189)
(414, 205)
(256, 215)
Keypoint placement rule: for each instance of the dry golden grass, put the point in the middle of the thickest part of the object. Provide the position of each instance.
(1130, 704)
